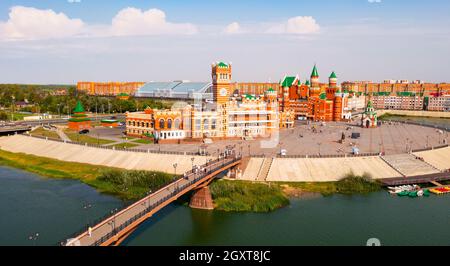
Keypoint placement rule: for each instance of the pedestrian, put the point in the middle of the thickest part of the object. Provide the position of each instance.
(90, 231)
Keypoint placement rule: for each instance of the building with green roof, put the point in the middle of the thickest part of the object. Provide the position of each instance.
(79, 120)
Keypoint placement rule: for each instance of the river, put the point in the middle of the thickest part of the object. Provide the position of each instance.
(54, 209)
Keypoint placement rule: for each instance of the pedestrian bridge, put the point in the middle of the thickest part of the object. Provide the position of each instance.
(112, 230)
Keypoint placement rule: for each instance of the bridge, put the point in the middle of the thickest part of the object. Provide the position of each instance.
(14, 129)
(112, 230)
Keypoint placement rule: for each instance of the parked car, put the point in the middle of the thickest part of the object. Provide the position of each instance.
(84, 131)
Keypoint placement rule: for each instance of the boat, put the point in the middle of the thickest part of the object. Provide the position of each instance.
(403, 193)
(412, 194)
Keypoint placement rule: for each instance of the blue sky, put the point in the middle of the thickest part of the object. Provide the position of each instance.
(55, 41)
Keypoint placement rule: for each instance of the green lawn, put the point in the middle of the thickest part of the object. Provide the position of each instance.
(125, 145)
(74, 136)
(143, 141)
(44, 133)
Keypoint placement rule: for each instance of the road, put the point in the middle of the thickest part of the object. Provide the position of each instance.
(112, 225)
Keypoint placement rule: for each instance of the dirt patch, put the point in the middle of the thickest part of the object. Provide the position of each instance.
(293, 192)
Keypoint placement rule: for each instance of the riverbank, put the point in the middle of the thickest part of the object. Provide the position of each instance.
(247, 196)
(228, 195)
(125, 184)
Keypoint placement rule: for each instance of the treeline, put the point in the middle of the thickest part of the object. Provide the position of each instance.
(44, 99)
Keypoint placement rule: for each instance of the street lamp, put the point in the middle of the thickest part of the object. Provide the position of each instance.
(33, 238)
(175, 168)
(86, 207)
(192, 160)
(318, 145)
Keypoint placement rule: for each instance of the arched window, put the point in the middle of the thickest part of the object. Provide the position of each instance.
(177, 123)
(169, 124)
(205, 124)
(134, 123)
(161, 123)
(147, 124)
(213, 124)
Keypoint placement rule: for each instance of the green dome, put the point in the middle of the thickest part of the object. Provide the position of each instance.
(307, 83)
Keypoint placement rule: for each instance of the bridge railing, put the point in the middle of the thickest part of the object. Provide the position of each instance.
(153, 205)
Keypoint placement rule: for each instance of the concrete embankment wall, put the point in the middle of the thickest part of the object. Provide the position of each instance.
(414, 113)
(439, 158)
(83, 154)
(282, 169)
(321, 169)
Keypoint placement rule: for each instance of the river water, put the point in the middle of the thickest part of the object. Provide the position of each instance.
(54, 209)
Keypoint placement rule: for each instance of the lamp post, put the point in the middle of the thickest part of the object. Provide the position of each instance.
(86, 207)
(175, 168)
(318, 145)
(33, 238)
(13, 98)
(192, 160)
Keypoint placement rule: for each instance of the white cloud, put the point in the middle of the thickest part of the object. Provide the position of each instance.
(374, 1)
(31, 23)
(28, 23)
(296, 25)
(233, 28)
(133, 21)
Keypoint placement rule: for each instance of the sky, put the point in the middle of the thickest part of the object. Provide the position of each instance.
(65, 41)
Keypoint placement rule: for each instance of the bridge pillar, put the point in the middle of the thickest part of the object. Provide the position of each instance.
(202, 199)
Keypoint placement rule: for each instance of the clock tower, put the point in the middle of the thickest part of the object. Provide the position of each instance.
(221, 82)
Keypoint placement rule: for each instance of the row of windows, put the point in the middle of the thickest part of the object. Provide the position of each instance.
(162, 124)
(224, 76)
(198, 124)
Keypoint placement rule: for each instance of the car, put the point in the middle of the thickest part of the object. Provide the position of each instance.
(84, 131)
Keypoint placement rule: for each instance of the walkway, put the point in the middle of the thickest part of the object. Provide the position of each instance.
(112, 230)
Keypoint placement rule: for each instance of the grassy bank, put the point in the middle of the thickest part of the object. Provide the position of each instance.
(246, 196)
(348, 185)
(125, 145)
(125, 184)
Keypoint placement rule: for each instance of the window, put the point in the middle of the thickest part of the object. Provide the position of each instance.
(213, 124)
(177, 123)
(206, 124)
(134, 123)
(147, 124)
(161, 123)
(198, 124)
(169, 123)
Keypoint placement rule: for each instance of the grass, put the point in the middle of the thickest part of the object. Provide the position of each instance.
(244, 196)
(143, 141)
(40, 131)
(125, 145)
(348, 185)
(127, 185)
(74, 136)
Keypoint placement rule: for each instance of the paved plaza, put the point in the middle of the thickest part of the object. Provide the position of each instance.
(392, 138)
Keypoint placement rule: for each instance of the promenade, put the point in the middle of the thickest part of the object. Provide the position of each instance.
(279, 169)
